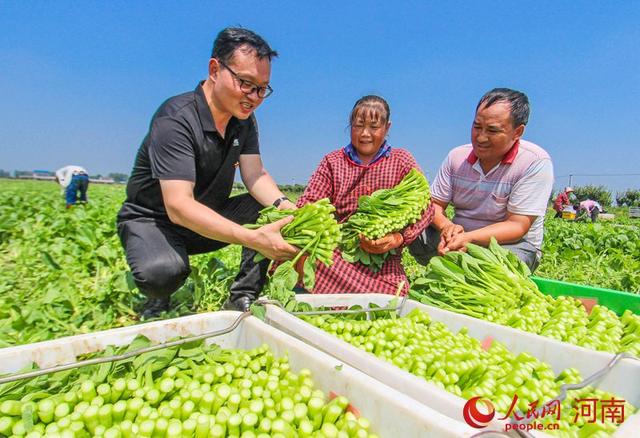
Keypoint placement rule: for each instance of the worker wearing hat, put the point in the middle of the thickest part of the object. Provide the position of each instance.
(562, 201)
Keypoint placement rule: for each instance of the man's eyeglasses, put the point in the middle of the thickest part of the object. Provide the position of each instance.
(248, 87)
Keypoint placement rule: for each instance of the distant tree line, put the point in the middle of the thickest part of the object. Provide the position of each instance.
(628, 198)
(596, 193)
(115, 176)
(122, 178)
(118, 177)
(292, 188)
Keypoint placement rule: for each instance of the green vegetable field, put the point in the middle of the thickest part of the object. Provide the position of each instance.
(604, 254)
(64, 272)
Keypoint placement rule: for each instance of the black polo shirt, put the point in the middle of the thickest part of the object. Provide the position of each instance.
(183, 144)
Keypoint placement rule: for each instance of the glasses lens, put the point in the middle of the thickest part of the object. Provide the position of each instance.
(265, 91)
(246, 87)
(249, 88)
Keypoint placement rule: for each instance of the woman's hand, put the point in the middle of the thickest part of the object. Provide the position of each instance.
(382, 245)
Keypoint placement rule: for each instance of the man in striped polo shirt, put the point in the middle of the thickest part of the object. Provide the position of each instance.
(499, 185)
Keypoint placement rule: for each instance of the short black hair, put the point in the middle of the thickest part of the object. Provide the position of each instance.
(371, 102)
(232, 38)
(517, 99)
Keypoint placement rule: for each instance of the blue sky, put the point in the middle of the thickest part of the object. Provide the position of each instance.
(80, 80)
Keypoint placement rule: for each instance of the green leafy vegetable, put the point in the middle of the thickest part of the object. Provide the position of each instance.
(493, 284)
(384, 211)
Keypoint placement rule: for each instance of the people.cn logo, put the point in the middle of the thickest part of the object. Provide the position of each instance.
(474, 417)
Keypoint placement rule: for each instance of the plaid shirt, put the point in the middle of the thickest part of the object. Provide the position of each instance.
(343, 182)
(561, 201)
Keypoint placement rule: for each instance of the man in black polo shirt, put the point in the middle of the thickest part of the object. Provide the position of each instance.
(178, 197)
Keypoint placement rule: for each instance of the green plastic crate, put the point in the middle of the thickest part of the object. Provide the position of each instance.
(613, 299)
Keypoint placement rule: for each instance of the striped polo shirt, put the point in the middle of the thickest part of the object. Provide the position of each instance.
(521, 184)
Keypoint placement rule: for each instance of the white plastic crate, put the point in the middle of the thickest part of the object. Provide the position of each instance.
(391, 413)
(623, 380)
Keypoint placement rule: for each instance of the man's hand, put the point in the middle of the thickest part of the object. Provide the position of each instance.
(287, 205)
(450, 230)
(382, 245)
(447, 233)
(457, 243)
(269, 241)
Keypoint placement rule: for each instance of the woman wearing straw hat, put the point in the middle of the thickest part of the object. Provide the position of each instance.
(562, 201)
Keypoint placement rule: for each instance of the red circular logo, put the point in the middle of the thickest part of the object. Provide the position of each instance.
(474, 417)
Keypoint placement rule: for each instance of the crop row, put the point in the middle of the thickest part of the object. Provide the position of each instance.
(64, 271)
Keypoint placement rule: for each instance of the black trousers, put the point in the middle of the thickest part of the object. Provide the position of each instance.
(158, 252)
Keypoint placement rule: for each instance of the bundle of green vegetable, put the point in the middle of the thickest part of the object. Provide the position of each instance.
(384, 211)
(192, 391)
(463, 366)
(493, 284)
(314, 230)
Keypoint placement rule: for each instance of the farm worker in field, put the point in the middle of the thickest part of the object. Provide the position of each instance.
(562, 201)
(589, 209)
(178, 196)
(368, 163)
(73, 180)
(499, 185)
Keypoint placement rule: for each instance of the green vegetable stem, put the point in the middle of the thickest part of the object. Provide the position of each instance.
(195, 390)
